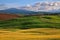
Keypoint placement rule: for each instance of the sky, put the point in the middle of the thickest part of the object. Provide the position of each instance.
(16, 3)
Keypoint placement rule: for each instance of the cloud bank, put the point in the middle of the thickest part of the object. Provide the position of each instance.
(41, 6)
(38, 6)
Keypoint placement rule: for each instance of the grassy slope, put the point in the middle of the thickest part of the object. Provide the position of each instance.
(31, 34)
(32, 22)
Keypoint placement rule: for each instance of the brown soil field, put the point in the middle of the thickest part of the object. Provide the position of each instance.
(8, 16)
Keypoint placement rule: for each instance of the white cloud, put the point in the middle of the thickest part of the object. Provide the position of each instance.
(3, 6)
(43, 6)
(12, 5)
(9, 5)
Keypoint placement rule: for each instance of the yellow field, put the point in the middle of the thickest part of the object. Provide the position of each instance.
(30, 34)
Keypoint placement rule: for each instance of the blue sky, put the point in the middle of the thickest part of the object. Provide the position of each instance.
(12, 3)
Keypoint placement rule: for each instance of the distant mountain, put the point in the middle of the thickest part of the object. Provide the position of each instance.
(16, 11)
(26, 12)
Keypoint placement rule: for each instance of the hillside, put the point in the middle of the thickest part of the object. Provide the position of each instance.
(46, 21)
(30, 34)
(4, 16)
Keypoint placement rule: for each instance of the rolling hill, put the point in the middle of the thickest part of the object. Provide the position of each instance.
(46, 21)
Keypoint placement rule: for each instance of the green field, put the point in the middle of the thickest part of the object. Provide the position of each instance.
(46, 21)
